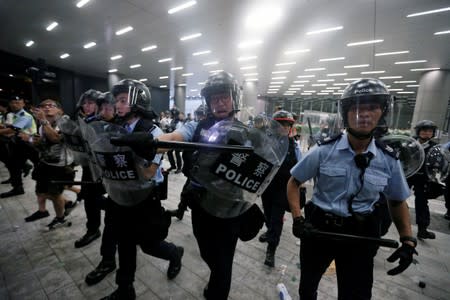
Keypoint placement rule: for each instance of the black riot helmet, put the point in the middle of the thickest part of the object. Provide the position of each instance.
(367, 93)
(138, 97)
(219, 83)
(425, 124)
(201, 112)
(283, 116)
(87, 95)
(103, 98)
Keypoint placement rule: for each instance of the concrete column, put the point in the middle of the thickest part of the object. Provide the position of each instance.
(113, 78)
(180, 97)
(250, 105)
(432, 97)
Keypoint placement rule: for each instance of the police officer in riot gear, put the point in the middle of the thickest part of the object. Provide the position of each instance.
(350, 171)
(425, 130)
(274, 198)
(217, 223)
(143, 223)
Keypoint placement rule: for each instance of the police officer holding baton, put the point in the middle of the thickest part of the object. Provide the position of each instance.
(351, 170)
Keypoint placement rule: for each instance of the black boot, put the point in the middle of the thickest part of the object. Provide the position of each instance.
(263, 237)
(88, 238)
(104, 268)
(122, 293)
(175, 263)
(423, 233)
(14, 192)
(270, 256)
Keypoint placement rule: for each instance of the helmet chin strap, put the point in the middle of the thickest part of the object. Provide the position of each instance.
(359, 135)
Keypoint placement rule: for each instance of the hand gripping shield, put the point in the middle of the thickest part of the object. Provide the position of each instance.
(234, 176)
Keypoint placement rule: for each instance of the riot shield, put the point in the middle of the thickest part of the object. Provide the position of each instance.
(437, 163)
(411, 153)
(87, 131)
(235, 177)
(73, 139)
(123, 172)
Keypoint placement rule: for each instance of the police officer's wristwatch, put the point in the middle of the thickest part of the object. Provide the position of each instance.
(409, 239)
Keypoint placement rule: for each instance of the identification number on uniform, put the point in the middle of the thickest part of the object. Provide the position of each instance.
(248, 171)
(117, 165)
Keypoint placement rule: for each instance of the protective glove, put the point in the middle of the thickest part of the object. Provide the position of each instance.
(405, 254)
(142, 144)
(301, 228)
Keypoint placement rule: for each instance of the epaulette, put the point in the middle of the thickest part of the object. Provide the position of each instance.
(387, 149)
(329, 139)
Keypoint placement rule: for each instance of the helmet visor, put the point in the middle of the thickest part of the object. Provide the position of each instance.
(220, 103)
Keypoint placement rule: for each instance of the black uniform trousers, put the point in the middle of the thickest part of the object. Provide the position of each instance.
(108, 247)
(274, 204)
(93, 200)
(353, 260)
(447, 193)
(179, 162)
(20, 151)
(217, 240)
(145, 225)
(419, 181)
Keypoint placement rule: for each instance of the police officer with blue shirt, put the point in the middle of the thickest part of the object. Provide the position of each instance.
(143, 223)
(350, 172)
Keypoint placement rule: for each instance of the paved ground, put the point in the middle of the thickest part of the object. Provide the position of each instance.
(37, 264)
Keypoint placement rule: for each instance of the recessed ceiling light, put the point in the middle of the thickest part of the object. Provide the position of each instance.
(163, 77)
(89, 45)
(248, 68)
(410, 62)
(251, 79)
(306, 76)
(428, 12)
(29, 43)
(250, 74)
(279, 77)
(305, 94)
(65, 55)
(112, 71)
(392, 53)
(309, 91)
(276, 82)
(341, 84)
(201, 52)
(11, 75)
(356, 66)
(115, 57)
(333, 87)
(406, 92)
(424, 69)
(405, 81)
(364, 43)
(190, 36)
(337, 74)
(274, 86)
(181, 84)
(248, 44)
(325, 30)
(187, 74)
(194, 90)
(280, 72)
(290, 52)
(442, 32)
(337, 93)
(331, 59)
(176, 68)
(351, 79)
(148, 48)
(390, 77)
(294, 89)
(395, 90)
(181, 7)
(272, 92)
(314, 69)
(211, 63)
(124, 30)
(286, 63)
(81, 3)
(135, 66)
(300, 81)
(51, 26)
(325, 80)
(201, 83)
(163, 86)
(322, 93)
(319, 84)
(373, 72)
(143, 79)
(412, 85)
(245, 58)
(297, 85)
(164, 59)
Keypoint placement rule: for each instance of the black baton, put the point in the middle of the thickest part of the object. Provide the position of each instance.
(67, 182)
(195, 146)
(382, 242)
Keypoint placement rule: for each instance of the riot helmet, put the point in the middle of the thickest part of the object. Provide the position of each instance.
(222, 83)
(283, 116)
(106, 108)
(132, 97)
(87, 102)
(201, 112)
(360, 98)
(425, 124)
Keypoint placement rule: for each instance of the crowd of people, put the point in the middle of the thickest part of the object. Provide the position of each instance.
(352, 171)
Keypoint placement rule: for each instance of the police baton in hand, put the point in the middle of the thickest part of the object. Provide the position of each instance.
(350, 237)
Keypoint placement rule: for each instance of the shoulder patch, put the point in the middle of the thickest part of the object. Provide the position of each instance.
(387, 149)
(329, 140)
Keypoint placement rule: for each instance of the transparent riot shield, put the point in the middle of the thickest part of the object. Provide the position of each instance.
(73, 139)
(235, 177)
(123, 172)
(411, 153)
(437, 162)
(88, 131)
(319, 126)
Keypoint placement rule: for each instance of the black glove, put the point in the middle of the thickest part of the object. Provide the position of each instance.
(405, 254)
(142, 144)
(301, 228)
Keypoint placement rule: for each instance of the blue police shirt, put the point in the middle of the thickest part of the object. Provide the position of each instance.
(187, 130)
(337, 177)
(158, 178)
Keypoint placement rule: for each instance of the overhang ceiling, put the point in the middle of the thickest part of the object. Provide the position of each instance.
(223, 26)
